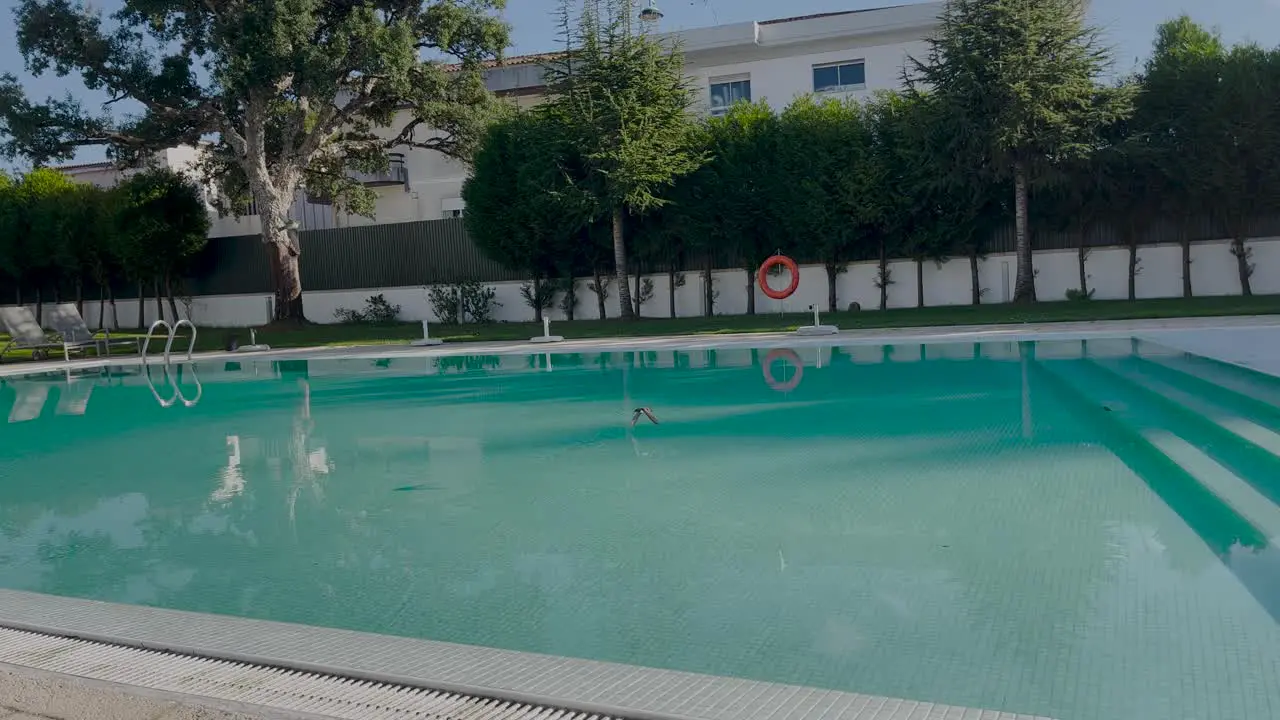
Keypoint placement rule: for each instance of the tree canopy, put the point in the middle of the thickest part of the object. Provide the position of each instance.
(58, 237)
(928, 173)
(622, 100)
(296, 94)
(1022, 78)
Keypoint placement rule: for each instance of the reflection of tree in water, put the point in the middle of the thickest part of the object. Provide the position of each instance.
(467, 363)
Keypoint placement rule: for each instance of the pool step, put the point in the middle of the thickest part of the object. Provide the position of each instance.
(1234, 438)
(1243, 398)
(1235, 469)
(1120, 420)
(1240, 495)
(1257, 389)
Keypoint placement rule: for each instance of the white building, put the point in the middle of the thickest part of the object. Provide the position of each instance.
(846, 53)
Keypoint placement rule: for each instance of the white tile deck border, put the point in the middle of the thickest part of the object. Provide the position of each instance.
(589, 686)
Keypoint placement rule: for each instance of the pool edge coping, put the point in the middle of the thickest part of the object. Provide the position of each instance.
(589, 686)
(935, 334)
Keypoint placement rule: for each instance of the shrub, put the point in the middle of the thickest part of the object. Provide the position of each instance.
(376, 311)
(539, 295)
(446, 302)
(463, 302)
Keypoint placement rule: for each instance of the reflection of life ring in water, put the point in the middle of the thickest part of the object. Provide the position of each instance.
(763, 277)
(789, 356)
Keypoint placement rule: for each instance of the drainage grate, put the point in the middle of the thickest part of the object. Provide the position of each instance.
(273, 689)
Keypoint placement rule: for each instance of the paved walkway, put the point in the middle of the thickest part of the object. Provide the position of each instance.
(27, 694)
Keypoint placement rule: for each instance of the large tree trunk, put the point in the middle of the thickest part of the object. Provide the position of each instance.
(1024, 288)
(1242, 253)
(671, 291)
(833, 270)
(1184, 241)
(39, 305)
(751, 291)
(919, 282)
(273, 191)
(17, 293)
(142, 307)
(620, 264)
(168, 291)
(155, 286)
(975, 282)
(288, 279)
(636, 298)
(80, 296)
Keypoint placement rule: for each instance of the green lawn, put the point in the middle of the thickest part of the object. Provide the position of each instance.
(337, 335)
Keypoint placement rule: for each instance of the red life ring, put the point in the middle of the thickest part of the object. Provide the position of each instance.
(763, 277)
(790, 356)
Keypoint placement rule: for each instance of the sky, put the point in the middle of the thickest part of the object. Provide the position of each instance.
(1128, 26)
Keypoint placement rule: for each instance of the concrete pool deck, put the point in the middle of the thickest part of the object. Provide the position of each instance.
(1251, 341)
(70, 659)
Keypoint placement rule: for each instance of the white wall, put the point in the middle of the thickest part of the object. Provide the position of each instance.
(1213, 273)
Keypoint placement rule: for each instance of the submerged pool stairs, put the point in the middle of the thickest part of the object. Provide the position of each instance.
(1203, 434)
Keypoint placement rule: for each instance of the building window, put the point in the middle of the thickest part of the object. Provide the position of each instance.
(725, 94)
(840, 77)
(452, 208)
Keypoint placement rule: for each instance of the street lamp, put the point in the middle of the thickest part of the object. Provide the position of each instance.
(651, 13)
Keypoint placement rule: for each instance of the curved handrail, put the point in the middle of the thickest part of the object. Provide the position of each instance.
(199, 389)
(163, 403)
(173, 331)
(146, 342)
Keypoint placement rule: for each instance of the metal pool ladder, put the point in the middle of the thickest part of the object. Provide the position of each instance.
(168, 345)
(173, 381)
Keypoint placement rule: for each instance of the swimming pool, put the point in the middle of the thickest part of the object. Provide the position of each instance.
(1075, 530)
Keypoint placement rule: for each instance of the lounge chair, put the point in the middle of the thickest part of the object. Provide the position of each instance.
(66, 321)
(24, 332)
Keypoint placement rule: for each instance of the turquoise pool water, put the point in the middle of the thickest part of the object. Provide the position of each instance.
(1081, 531)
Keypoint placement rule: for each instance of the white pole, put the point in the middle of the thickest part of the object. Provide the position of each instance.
(426, 331)
(815, 315)
(546, 325)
